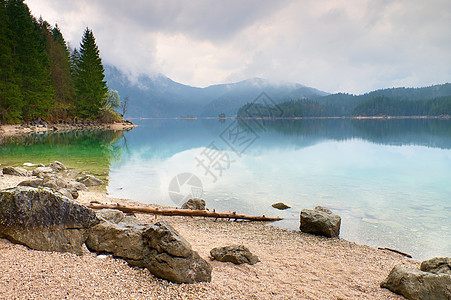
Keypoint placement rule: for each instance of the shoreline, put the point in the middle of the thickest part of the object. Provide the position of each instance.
(294, 265)
(21, 129)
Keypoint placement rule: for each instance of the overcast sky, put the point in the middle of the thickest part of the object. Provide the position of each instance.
(334, 45)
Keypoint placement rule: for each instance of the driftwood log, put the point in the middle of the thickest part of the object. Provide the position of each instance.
(183, 212)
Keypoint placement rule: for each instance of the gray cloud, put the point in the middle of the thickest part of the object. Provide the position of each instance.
(342, 45)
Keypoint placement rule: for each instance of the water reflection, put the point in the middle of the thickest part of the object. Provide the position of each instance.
(388, 179)
(84, 150)
(390, 189)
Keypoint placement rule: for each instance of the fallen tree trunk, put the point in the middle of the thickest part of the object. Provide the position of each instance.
(183, 212)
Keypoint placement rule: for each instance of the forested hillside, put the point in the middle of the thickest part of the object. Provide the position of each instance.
(40, 78)
(428, 101)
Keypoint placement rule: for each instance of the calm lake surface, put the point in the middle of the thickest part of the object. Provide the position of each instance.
(389, 180)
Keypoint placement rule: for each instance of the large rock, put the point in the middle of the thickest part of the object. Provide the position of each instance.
(320, 222)
(15, 171)
(44, 220)
(437, 265)
(195, 204)
(418, 285)
(90, 180)
(157, 247)
(237, 254)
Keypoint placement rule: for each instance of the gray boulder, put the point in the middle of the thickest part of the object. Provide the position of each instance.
(15, 171)
(320, 222)
(44, 220)
(437, 265)
(90, 180)
(418, 285)
(194, 204)
(237, 254)
(157, 247)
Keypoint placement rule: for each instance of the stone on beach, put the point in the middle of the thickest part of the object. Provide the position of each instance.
(157, 247)
(15, 171)
(90, 180)
(44, 220)
(237, 254)
(37, 182)
(320, 221)
(437, 265)
(418, 285)
(194, 204)
(41, 171)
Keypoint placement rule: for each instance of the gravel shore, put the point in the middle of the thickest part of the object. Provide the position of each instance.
(293, 265)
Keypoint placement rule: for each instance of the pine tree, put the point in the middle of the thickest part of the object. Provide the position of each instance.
(10, 93)
(60, 69)
(90, 85)
(30, 60)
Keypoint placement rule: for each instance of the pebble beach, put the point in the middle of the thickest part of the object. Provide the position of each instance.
(293, 265)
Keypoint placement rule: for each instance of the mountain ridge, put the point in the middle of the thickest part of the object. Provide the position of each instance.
(160, 96)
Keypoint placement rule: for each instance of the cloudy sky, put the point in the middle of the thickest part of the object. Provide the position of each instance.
(334, 45)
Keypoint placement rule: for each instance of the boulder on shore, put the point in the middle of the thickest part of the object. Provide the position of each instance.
(437, 265)
(418, 285)
(157, 247)
(15, 171)
(194, 204)
(237, 254)
(90, 180)
(320, 221)
(44, 220)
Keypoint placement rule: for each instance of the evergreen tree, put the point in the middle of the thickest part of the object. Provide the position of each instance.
(90, 85)
(10, 93)
(60, 68)
(74, 59)
(30, 60)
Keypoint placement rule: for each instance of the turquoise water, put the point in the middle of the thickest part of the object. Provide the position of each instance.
(389, 180)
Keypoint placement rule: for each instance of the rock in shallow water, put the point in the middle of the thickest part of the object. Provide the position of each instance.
(44, 220)
(280, 205)
(320, 221)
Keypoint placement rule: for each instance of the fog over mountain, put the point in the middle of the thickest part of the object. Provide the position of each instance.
(159, 96)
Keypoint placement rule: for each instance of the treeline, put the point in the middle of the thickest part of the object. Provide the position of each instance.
(383, 106)
(41, 78)
(429, 101)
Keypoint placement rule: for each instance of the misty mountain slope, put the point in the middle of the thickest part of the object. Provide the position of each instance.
(159, 96)
(247, 91)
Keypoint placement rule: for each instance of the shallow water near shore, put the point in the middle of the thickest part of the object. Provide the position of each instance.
(389, 180)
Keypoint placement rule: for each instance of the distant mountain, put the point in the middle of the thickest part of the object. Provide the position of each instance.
(159, 96)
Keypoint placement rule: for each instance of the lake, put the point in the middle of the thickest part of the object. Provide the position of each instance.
(389, 180)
